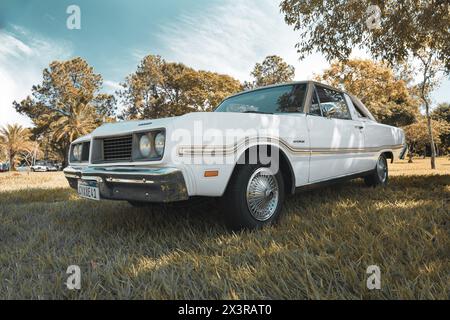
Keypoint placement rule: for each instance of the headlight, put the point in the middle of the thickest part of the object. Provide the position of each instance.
(160, 143)
(145, 147)
(77, 152)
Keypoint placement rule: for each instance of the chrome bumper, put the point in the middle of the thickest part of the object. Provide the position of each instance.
(132, 184)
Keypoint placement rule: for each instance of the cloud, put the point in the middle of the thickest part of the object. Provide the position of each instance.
(232, 36)
(23, 56)
(111, 86)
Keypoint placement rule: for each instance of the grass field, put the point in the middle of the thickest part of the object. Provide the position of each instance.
(321, 249)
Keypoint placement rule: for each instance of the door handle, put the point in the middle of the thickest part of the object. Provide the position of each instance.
(359, 127)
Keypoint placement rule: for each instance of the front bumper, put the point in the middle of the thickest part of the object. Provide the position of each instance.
(132, 184)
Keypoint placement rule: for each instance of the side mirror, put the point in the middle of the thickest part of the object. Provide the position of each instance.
(329, 111)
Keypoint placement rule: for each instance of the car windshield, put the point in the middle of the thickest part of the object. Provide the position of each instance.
(281, 99)
(40, 163)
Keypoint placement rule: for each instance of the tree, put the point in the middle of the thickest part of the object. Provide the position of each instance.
(417, 133)
(161, 89)
(14, 139)
(80, 121)
(30, 155)
(387, 96)
(67, 104)
(395, 31)
(429, 69)
(442, 113)
(273, 70)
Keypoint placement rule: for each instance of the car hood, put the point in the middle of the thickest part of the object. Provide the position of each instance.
(208, 119)
(125, 127)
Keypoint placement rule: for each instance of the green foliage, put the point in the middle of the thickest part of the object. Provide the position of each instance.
(14, 139)
(161, 89)
(417, 133)
(336, 27)
(387, 96)
(67, 104)
(273, 70)
(442, 113)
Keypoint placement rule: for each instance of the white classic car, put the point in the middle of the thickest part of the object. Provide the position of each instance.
(43, 166)
(256, 147)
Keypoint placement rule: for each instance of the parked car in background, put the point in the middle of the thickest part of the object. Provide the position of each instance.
(43, 166)
(23, 168)
(254, 149)
(4, 167)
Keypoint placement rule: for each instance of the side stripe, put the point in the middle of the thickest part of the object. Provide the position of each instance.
(232, 149)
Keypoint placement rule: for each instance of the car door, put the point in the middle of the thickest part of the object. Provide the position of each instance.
(337, 140)
(366, 159)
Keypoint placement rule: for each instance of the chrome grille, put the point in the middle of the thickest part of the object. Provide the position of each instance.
(118, 148)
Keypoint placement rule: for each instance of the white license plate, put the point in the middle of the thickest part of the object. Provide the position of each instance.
(88, 191)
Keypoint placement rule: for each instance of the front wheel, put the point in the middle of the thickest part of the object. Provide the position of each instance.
(254, 197)
(380, 175)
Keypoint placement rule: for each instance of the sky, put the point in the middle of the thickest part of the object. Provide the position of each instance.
(225, 36)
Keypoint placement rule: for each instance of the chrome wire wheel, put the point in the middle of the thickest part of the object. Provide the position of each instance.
(382, 169)
(262, 194)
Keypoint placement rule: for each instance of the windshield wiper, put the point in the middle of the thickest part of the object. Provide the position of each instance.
(260, 112)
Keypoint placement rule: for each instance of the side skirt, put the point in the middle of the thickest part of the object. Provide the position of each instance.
(316, 185)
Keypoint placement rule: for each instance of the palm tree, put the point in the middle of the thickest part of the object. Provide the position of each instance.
(67, 127)
(80, 121)
(14, 139)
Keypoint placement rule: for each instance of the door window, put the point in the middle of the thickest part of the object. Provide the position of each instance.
(332, 103)
(315, 106)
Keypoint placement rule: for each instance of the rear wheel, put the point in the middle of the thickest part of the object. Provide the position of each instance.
(254, 197)
(380, 175)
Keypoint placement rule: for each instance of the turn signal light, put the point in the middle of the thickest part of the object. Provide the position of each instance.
(209, 174)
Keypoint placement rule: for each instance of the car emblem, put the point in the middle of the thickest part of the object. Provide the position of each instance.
(145, 124)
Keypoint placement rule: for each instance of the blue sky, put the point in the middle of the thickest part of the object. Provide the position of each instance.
(227, 36)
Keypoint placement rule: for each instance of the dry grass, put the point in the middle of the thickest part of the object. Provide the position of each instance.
(321, 249)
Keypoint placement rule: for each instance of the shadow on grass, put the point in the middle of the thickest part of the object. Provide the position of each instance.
(206, 216)
(325, 238)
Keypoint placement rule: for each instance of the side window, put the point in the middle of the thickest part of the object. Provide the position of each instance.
(315, 106)
(292, 102)
(332, 104)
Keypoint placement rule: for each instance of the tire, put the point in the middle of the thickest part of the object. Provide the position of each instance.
(380, 175)
(242, 211)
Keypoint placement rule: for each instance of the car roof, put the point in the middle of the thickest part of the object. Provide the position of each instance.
(356, 101)
(285, 84)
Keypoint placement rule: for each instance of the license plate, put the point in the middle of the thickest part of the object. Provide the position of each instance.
(88, 190)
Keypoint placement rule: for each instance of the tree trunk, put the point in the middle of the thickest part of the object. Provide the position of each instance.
(430, 133)
(427, 75)
(65, 155)
(410, 155)
(11, 163)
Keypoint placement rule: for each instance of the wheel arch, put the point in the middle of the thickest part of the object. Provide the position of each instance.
(285, 165)
(388, 155)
